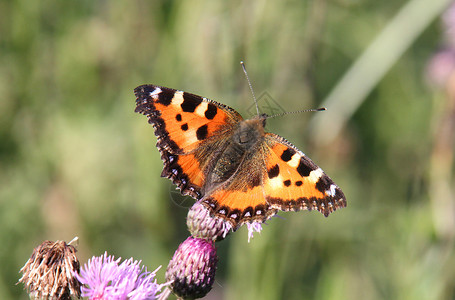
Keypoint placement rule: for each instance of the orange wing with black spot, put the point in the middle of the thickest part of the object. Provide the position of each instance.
(277, 177)
(183, 123)
(295, 182)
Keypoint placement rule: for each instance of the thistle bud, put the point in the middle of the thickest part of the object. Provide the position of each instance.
(191, 270)
(204, 226)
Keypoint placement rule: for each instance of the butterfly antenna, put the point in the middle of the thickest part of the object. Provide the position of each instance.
(251, 87)
(297, 112)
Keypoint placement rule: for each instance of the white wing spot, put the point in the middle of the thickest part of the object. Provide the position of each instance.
(201, 109)
(155, 93)
(178, 98)
(191, 136)
(295, 160)
(276, 183)
(331, 192)
(315, 175)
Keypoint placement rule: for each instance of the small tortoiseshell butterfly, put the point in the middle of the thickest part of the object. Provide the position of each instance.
(237, 170)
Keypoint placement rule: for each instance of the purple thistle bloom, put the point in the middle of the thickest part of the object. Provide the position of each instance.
(104, 278)
(203, 225)
(252, 228)
(441, 67)
(191, 271)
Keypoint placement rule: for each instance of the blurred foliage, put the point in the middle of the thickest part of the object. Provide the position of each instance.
(76, 161)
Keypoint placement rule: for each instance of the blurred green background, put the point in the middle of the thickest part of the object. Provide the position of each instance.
(75, 160)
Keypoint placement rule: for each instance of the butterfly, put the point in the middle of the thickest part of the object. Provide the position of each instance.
(236, 169)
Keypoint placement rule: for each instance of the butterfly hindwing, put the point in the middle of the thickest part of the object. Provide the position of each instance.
(241, 198)
(276, 176)
(295, 182)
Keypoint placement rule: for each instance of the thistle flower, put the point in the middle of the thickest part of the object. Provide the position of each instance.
(441, 67)
(104, 278)
(49, 273)
(191, 271)
(204, 226)
(201, 224)
(252, 228)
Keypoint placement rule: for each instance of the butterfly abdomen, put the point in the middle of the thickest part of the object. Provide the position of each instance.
(237, 153)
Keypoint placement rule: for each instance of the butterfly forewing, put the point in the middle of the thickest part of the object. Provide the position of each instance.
(184, 124)
(183, 120)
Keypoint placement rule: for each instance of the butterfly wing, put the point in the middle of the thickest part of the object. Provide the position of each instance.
(186, 126)
(241, 198)
(294, 182)
(275, 176)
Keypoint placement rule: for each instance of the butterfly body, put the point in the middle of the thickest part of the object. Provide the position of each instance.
(241, 146)
(240, 172)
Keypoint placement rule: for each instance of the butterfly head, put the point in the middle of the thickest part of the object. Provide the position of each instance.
(263, 118)
(250, 131)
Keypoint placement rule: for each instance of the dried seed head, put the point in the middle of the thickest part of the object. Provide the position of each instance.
(49, 272)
